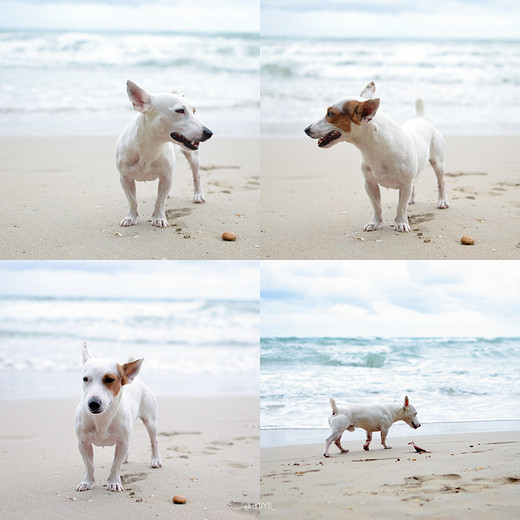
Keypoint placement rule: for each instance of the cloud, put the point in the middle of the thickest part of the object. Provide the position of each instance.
(390, 298)
(393, 19)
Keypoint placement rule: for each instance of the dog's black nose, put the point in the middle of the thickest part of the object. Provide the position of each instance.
(94, 405)
(206, 134)
(308, 130)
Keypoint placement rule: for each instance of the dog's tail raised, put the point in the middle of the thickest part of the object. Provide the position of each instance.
(419, 108)
(334, 407)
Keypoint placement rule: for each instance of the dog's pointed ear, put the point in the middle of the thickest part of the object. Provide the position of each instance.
(406, 401)
(142, 101)
(365, 111)
(85, 352)
(368, 91)
(130, 370)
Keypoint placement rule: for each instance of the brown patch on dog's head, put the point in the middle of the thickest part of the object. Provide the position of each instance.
(113, 382)
(361, 111)
(129, 370)
(352, 111)
(339, 118)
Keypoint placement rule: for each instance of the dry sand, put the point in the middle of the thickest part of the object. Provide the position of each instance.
(209, 447)
(61, 199)
(314, 204)
(465, 476)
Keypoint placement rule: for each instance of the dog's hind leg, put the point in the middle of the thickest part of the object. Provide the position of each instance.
(332, 438)
(366, 446)
(337, 442)
(437, 162)
(151, 427)
(194, 162)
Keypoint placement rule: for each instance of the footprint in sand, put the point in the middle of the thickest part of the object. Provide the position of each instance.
(463, 174)
(418, 219)
(176, 213)
(236, 465)
(172, 434)
(133, 477)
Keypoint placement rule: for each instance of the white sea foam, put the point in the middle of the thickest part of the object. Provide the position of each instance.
(447, 379)
(460, 81)
(74, 82)
(194, 341)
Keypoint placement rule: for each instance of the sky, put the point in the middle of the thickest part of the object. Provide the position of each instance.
(390, 299)
(219, 280)
(238, 16)
(476, 19)
(498, 19)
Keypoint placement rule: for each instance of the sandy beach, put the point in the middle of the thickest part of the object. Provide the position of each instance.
(61, 199)
(314, 204)
(210, 453)
(466, 476)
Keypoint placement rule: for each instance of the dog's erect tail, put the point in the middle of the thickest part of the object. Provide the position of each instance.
(334, 407)
(419, 108)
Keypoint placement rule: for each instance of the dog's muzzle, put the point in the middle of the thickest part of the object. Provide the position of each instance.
(192, 145)
(206, 134)
(94, 405)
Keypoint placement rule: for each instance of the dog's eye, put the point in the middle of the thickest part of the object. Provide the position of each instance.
(109, 380)
(85, 379)
(330, 113)
(180, 111)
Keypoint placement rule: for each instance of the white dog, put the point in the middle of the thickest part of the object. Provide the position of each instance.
(392, 155)
(145, 152)
(106, 414)
(372, 418)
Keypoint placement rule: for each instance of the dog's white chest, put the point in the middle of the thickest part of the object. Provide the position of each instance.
(384, 177)
(102, 437)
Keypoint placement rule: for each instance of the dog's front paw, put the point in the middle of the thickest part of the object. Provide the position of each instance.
(85, 485)
(199, 198)
(129, 220)
(326, 455)
(115, 486)
(156, 463)
(443, 204)
(402, 227)
(160, 222)
(372, 226)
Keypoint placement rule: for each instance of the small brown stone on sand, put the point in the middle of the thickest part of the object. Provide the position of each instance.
(467, 240)
(179, 499)
(230, 237)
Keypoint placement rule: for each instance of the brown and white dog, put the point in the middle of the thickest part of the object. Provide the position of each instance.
(106, 414)
(392, 155)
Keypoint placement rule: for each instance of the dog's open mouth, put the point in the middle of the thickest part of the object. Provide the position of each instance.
(192, 145)
(324, 141)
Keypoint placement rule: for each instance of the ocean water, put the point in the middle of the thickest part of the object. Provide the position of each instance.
(192, 347)
(462, 82)
(448, 380)
(70, 82)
